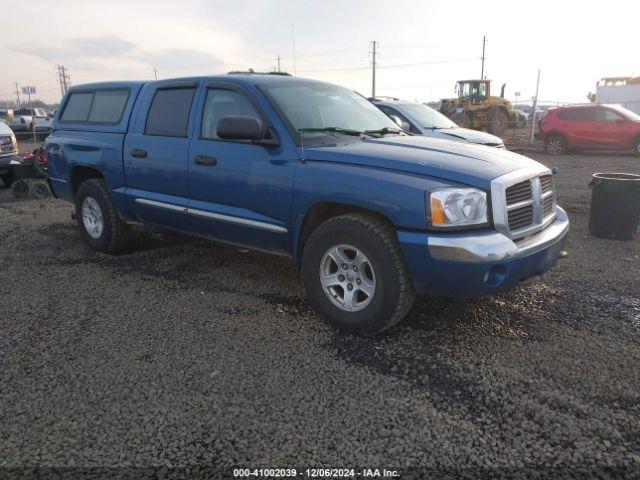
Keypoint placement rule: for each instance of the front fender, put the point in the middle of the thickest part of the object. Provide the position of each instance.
(397, 196)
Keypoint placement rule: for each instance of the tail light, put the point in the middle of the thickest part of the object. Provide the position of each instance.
(43, 156)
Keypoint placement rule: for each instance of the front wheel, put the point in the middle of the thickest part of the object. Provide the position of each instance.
(498, 122)
(99, 223)
(355, 276)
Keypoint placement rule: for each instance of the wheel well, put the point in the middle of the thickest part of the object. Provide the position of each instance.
(555, 133)
(321, 212)
(80, 174)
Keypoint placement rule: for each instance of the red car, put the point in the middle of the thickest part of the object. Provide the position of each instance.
(592, 126)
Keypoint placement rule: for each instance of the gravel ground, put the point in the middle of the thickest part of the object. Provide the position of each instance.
(185, 353)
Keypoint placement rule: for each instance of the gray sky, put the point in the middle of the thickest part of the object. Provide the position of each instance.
(425, 46)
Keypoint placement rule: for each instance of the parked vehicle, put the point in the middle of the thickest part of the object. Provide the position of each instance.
(31, 119)
(522, 119)
(420, 119)
(590, 126)
(8, 152)
(476, 108)
(370, 214)
(6, 115)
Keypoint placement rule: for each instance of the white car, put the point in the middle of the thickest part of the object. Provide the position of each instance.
(8, 152)
(421, 119)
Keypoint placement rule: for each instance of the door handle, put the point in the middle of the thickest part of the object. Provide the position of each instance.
(205, 160)
(139, 153)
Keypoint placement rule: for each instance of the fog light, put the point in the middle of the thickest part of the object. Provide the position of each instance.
(495, 275)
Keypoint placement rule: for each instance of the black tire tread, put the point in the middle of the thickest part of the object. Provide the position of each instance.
(120, 231)
(386, 233)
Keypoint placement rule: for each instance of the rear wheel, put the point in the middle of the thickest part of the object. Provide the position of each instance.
(39, 190)
(555, 145)
(355, 276)
(100, 225)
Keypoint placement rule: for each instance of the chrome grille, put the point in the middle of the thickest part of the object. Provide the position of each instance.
(519, 192)
(520, 217)
(546, 183)
(524, 202)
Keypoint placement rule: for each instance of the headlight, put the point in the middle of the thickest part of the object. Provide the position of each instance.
(458, 207)
(14, 142)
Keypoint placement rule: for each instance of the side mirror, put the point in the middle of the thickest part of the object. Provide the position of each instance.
(240, 128)
(401, 123)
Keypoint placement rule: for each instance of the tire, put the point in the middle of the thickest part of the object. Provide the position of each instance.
(8, 179)
(100, 225)
(39, 190)
(383, 274)
(498, 122)
(555, 145)
(462, 119)
(20, 189)
(636, 146)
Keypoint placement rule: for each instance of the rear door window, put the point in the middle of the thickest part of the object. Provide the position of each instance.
(169, 112)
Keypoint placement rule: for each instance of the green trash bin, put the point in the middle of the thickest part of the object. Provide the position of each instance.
(615, 205)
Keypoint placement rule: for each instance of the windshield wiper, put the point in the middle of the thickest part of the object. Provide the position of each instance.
(383, 131)
(345, 131)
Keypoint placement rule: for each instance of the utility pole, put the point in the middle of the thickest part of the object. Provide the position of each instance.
(373, 68)
(278, 59)
(484, 41)
(18, 94)
(535, 105)
(63, 79)
(155, 72)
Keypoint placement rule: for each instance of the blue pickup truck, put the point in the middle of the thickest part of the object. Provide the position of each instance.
(369, 214)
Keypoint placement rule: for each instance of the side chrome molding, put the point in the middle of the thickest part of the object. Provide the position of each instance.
(215, 216)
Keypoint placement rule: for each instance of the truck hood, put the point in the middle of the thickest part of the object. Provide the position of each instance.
(473, 136)
(460, 162)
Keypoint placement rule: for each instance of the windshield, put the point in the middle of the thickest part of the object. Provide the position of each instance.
(312, 107)
(627, 113)
(426, 116)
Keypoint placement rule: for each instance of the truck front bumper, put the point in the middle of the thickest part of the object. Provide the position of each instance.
(475, 264)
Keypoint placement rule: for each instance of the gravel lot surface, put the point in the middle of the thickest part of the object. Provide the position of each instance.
(182, 352)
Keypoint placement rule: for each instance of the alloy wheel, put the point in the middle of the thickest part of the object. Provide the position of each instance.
(92, 217)
(347, 278)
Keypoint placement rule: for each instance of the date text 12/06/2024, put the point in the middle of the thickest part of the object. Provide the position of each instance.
(316, 472)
